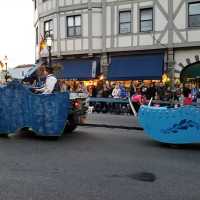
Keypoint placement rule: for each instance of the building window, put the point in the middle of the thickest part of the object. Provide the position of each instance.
(74, 26)
(124, 22)
(48, 28)
(194, 14)
(36, 36)
(146, 19)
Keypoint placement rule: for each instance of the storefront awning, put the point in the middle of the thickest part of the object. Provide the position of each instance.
(191, 71)
(136, 67)
(80, 69)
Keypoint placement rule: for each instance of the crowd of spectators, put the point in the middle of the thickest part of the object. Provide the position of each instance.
(140, 93)
(117, 90)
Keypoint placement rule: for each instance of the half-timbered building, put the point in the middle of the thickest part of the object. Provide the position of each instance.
(127, 39)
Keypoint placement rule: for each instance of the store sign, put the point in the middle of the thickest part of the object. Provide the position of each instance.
(94, 69)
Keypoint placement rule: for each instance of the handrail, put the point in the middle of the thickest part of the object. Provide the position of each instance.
(107, 100)
(132, 107)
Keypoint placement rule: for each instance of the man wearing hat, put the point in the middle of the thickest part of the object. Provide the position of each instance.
(50, 82)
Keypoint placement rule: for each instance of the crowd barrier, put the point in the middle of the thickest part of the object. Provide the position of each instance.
(109, 105)
(119, 106)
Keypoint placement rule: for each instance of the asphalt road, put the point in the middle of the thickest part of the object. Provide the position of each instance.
(97, 164)
(112, 120)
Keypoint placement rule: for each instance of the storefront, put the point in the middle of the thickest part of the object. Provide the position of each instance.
(190, 72)
(77, 69)
(136, 67)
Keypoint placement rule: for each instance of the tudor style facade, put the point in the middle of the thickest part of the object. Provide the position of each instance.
(107, 28)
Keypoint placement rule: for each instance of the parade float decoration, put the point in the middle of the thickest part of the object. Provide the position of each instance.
(172, 124)
(46, 115)
(179, 125)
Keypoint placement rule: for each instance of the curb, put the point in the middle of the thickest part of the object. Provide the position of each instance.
(112, 126)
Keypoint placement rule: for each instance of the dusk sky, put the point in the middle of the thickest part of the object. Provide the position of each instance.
(17, 34)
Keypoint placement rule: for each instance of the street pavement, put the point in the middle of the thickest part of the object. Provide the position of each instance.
(97, 164)
(123, 120)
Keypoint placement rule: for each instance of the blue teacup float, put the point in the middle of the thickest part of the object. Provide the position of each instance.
(179, 125)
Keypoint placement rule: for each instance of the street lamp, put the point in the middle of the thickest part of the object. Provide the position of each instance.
(49, 45)
(6, 64)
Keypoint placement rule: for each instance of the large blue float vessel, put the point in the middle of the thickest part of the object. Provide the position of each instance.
(20, 108)
(179, 125)
(45, 114)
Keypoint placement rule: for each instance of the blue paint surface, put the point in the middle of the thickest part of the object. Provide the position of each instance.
(151, 67)
(171, 125)
(19, 107)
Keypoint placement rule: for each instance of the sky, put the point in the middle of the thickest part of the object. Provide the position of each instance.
(17, 34)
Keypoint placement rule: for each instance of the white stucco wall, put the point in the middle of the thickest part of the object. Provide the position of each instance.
(114, 40)
(181, 55)
(162, 22)
(96, 24)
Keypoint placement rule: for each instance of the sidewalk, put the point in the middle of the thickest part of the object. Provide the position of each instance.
(112, 120)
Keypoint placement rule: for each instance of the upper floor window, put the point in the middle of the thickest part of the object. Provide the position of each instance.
(146, 19)
(74, 26)
(124, 22)
(194, 14)
(48, 28)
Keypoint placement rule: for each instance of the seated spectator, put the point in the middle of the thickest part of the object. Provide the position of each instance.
(81, 88)
(123, 92)
(116, 92)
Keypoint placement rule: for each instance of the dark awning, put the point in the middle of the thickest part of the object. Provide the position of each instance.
(80, 69)
(137, 67)
(191, 71)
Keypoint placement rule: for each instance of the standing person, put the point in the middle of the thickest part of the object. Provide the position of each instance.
(50, 82)
(160, 91)
(143, 89)
(178, 92)
(105, 93)
(138, 99)
(194, 93)
(132, 89)
(186, 90)
(151, 91)
(187, 100)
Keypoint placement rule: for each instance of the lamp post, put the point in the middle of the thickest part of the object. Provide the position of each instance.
(49, 45)
(6, 64)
